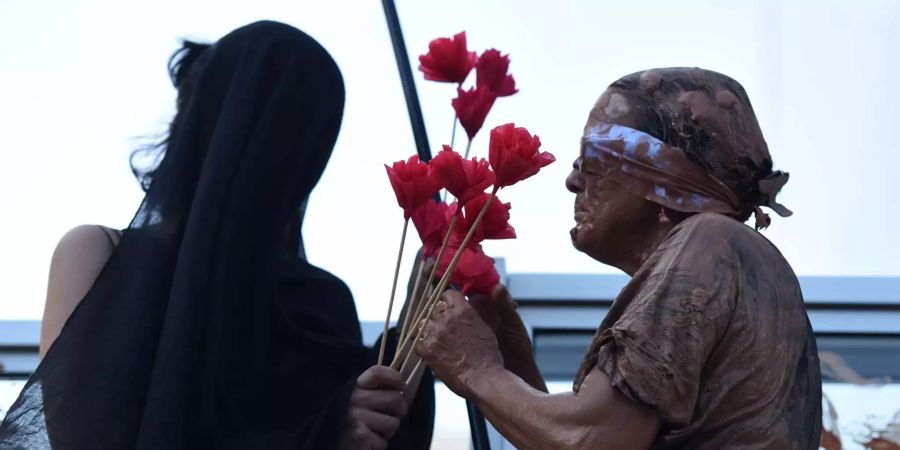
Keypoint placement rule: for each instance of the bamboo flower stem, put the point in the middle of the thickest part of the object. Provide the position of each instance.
(387, 319)
(410, 307)
(468, 148)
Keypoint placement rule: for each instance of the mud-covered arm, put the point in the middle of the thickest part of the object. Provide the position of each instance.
(463, 352)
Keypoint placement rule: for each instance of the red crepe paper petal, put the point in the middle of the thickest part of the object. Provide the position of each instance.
(491, 70)
(514, 156)
(475, 272)
(412, 182)
(448, 60)
(464, 179)
(432, 222)
(494, 224)
(472, 107)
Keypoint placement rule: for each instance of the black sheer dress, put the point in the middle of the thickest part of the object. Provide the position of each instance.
(205, 329)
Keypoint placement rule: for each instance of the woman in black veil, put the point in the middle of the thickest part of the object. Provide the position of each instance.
(206, 327)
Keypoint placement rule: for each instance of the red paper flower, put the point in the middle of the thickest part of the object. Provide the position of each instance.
(472, 107)
(463, 178)
(475, 272)
(431, 221)
(514, 156)
(448, 60)
(491, 70)
(494, 224)
(412, 183)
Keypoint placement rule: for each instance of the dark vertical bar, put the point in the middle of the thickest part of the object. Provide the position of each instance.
(406, 77)
(478, 428)
(477, 424)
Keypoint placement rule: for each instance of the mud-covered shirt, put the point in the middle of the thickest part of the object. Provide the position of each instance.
(712, 333)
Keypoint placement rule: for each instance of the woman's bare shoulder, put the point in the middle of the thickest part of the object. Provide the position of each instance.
(91, 238)
(77, 261)
(82, 252)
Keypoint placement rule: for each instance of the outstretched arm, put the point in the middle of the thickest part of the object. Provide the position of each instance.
(597, 417)
(463, 352)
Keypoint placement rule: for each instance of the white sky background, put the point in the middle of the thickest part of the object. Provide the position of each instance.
(80, 80)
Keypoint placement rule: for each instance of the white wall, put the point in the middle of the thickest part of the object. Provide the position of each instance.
(79, 80)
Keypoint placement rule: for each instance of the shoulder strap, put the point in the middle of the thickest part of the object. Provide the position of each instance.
(113, 235)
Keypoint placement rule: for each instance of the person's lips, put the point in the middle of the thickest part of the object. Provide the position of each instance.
(582, 218)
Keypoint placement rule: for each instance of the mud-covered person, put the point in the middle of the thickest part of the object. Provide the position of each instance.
(709, 345)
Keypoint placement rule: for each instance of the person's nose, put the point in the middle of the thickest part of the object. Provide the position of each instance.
(575, 181)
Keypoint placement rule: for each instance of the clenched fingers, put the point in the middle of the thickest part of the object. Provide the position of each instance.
(381, 377)
(389, 401)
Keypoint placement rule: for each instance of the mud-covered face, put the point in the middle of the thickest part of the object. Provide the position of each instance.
(606, 214)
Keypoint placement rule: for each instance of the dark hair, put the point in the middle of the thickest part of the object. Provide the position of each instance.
(730, 147)
(184, 65)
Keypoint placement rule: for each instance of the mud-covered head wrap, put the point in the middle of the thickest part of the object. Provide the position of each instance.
(690, 142)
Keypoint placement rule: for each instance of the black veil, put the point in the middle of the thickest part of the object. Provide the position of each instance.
(205, 329)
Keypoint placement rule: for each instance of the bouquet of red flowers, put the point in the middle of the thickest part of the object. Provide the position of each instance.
(452, 234)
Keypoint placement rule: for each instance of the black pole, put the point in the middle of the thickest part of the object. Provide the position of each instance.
(478, 428)
(477, 424)
(406, 78)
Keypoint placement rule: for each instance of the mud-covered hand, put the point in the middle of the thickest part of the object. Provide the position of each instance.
(499, 312)
(457, 344)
